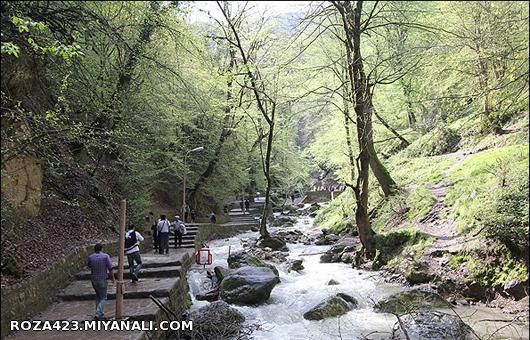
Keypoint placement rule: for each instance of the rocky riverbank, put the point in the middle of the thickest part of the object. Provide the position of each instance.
(256, 275)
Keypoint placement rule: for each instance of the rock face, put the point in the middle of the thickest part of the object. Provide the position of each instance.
(411, 300)
(333, 306)
(22, 183)
(248, 285)
(216, 321)
(333, 282)
(432, 325)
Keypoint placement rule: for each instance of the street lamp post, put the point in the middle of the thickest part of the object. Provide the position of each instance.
(200, 148)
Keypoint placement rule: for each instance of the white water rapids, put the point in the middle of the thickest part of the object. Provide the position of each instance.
(281, 316)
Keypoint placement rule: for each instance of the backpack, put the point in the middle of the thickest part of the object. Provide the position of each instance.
(130, 242)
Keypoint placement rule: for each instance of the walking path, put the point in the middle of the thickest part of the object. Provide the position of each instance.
(159, 278)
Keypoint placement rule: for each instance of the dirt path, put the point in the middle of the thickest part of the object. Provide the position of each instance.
(436, 223)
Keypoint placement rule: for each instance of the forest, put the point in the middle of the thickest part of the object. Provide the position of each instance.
(414, 113)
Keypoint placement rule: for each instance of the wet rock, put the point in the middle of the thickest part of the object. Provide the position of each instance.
(332, 238)
(324, 231)
(275, 243)
(220, 273)
(476, 291)
(326, 258)
(432, 325)
(216, 321)
(415, 277)
(242, 258)
(411, 300)
(212, 295)
(347, 257)
(248, 285)
(338, 248)
(332, 282)
(296, 265)
(515, 289)
(284, 220)
(334, 306)
(254, 229)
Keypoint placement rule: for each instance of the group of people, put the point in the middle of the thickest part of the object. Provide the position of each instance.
(161, 229)
(100, 263)
(100, 266)
(244, 204)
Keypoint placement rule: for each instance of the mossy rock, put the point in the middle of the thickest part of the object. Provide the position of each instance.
(415, 277)
(334, 306)
(432, 325)
(410, 301)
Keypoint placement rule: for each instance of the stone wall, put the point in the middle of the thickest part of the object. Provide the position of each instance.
(179, 302)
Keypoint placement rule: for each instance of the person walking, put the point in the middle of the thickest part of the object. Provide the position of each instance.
(213, 218)
(132, 250)
(179, 229)
(247, 204)
(99, 264)
(186, 214)
(163, 234)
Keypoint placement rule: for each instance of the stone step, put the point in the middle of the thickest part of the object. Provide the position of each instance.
(149, 264)
(134, 309)
(173, 271)
(82, 290)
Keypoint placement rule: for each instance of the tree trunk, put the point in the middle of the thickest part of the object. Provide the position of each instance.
(360, 92)
(267, 209)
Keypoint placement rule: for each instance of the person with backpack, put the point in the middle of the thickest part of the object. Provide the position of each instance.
(180, 229)
(132, 250)
(163, 234)
(213, 218)
(154, 231)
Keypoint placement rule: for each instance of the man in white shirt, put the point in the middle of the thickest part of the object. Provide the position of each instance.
(163, 232)
(132, 250)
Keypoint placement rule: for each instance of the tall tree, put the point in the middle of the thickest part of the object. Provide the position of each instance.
(266, 105)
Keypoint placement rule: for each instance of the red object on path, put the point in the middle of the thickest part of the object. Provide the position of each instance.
(203, 256)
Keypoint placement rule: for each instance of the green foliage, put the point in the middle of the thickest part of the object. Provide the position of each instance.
(338, 214)
(394, 245)
(420, 202)
(478, 183)
(426, 170)
(490, 266)
(36, 35)
(437, 142)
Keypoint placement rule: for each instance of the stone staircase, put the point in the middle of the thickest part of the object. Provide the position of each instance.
(160, 278)
(188, 240)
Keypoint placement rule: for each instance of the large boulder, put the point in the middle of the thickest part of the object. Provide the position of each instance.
(412, 300)
(333, 306)
(241, 259)
(248, 285)
(432, 325)
(274, 243)
(216, 321)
